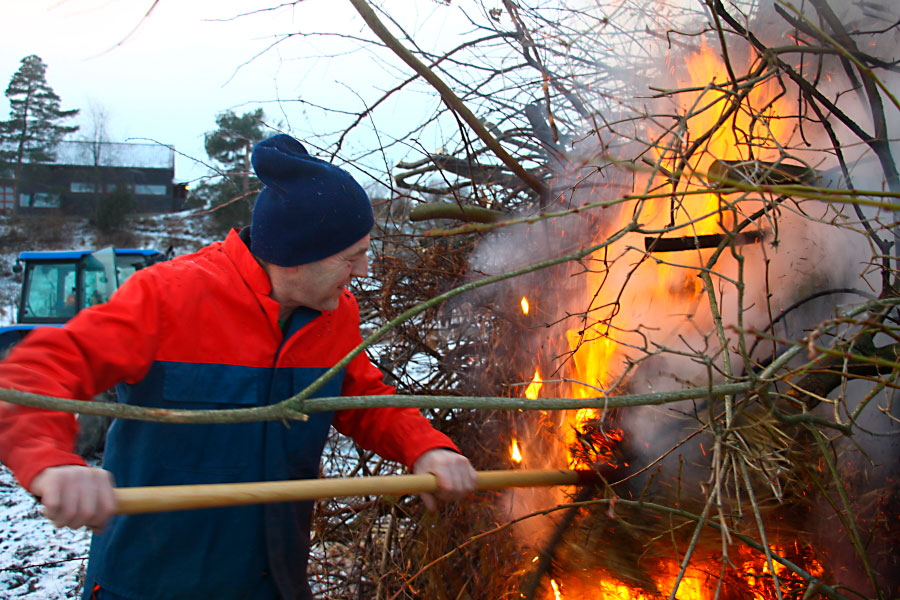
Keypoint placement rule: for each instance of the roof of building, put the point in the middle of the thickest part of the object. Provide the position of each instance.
(115, 154)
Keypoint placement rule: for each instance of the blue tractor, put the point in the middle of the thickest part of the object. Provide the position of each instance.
(56, 285)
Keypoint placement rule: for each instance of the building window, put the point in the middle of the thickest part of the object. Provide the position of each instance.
(40, 200)
(126, 188)
(82, 188)
(7, 198)
(150, 190)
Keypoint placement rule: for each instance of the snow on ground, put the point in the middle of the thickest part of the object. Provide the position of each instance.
(37, 561)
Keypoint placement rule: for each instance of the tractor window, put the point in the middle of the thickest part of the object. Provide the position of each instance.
(51, 291)
(99, 277)
(126, 265)
(97, 288)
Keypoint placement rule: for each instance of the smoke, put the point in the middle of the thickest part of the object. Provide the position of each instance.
(815, 260)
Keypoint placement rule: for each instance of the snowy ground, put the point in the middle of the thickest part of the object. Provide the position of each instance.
(37, 561)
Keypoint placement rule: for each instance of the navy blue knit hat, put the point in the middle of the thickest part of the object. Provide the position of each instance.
(308, 210)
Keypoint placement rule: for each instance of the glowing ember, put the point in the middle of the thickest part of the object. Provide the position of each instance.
(695, 585)
(751, 578)
(514, 453)
(756, 574)
(526, 307)
(532, 392)
(557, 595)
(594, 444)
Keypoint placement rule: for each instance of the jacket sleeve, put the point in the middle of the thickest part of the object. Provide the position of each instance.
(100, 347)
(398, 434)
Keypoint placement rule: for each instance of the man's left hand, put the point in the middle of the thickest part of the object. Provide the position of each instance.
(455, 475)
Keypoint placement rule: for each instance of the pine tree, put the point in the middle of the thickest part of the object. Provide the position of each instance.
(232, 143)
(230, 146)
(34, 128)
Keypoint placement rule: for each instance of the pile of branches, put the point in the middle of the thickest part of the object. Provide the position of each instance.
(780, 455)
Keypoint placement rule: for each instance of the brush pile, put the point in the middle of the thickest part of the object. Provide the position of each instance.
(765, 153)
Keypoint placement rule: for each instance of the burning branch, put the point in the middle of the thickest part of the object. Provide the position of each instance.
(697, 242)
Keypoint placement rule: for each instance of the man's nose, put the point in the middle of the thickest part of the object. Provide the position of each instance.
(360, 267)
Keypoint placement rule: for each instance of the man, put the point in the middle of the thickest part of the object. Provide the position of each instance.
(245, 322)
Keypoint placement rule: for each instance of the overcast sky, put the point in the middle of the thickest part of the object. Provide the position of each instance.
(190, 60)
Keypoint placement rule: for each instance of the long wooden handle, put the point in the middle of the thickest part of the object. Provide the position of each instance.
(183, 497)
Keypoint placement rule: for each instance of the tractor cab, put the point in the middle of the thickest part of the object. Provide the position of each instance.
(57, 285)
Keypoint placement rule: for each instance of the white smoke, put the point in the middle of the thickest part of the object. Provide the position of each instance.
(815, 260)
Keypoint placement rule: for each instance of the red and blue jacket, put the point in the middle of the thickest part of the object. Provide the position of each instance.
(201, 332)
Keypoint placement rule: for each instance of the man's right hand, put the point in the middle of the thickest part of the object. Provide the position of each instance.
(76, 496)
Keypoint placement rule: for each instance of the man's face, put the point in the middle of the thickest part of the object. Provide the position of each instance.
(319, 285)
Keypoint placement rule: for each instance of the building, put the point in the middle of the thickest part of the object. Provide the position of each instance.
(85, 172)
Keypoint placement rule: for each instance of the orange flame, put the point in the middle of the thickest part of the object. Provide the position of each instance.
(557, 595)
(526, 307)
(758, 576)
(514, 453)
(706, 111)
(694, 586)
(532, 392)
(593, 355)
(599, 350)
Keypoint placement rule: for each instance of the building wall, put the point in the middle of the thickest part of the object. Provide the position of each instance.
(74, 189)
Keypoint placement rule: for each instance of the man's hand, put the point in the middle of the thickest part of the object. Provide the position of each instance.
(455, 475)
(75, 496)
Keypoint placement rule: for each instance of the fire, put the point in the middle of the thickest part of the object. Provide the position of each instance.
(514, 453)
(593, 353)
(705, 109)
(752, 578)
(526, 307)
(757, 575)
(694, 586)
(599, 346)
(557, 595)
(533, 391)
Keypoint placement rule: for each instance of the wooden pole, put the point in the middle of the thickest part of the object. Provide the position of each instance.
(138, 500)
